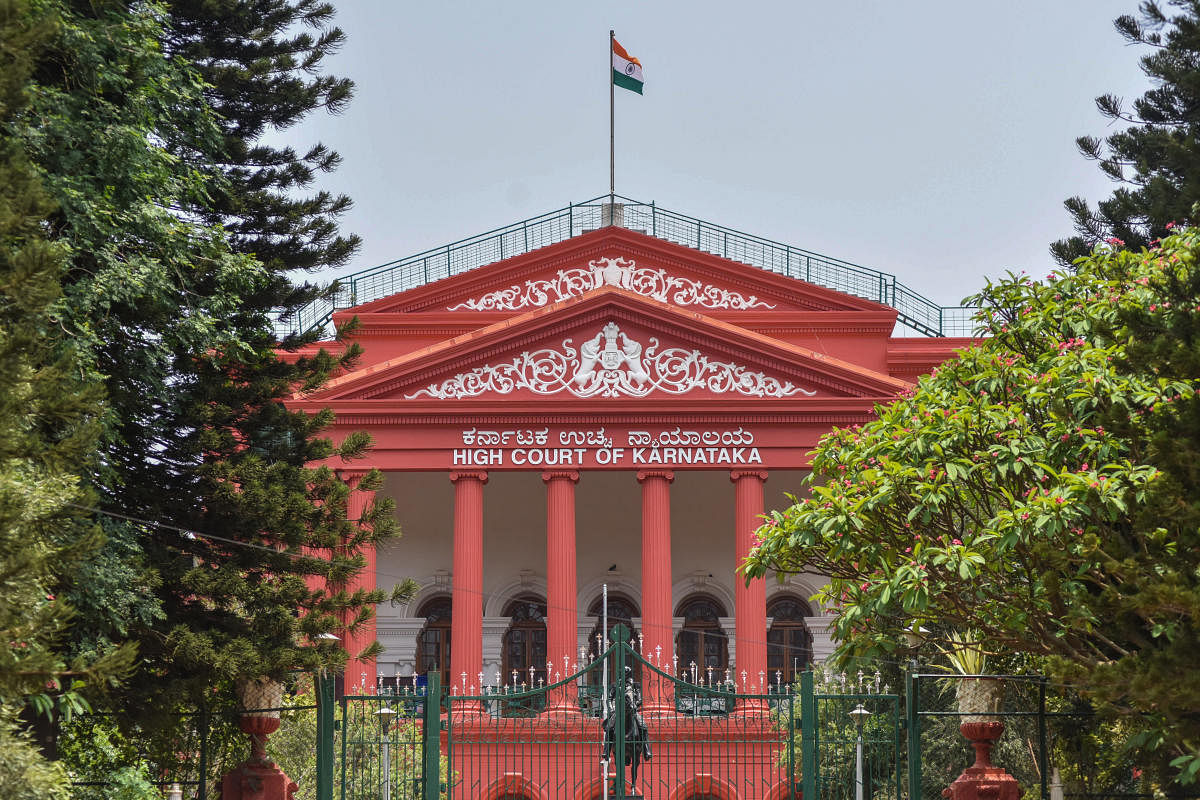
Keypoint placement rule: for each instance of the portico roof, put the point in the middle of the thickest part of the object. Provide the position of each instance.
(813, 374)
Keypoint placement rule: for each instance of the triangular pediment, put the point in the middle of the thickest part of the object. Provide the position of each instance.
(618, 258)
(611, 345)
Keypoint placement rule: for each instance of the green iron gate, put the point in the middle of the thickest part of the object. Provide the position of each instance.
(851, 739)
(387, 745)
(710, 734)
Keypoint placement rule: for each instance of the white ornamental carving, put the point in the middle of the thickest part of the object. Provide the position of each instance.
(620, 272)
(610, 364)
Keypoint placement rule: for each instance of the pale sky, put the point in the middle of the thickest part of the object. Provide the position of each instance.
(931, 140)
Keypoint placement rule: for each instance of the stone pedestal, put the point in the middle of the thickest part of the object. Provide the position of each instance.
(256, 778)
(983, 780)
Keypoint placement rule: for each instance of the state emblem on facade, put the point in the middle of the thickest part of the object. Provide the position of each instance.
(611, 364)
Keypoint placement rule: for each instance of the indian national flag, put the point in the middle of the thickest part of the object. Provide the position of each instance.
(627, 70)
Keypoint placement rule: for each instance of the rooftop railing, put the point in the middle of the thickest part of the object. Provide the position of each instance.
(915, 312)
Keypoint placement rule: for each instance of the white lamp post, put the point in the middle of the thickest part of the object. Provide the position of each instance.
(859, 715)
(385, 716)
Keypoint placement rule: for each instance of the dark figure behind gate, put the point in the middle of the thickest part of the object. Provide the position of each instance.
(637, 741)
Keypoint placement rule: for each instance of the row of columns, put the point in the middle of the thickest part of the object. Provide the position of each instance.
(657, 629)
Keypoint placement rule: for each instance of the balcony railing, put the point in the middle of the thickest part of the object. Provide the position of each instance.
(916, 313)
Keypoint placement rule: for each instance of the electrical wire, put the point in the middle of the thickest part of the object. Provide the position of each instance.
(191, 534)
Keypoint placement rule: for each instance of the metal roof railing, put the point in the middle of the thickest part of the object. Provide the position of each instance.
(916, 312)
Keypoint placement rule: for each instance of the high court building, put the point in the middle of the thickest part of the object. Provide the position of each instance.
(607, 395)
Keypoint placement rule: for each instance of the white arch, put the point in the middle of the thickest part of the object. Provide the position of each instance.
(432, 586)
(690, 585)
(803, 586)
(617, 584)
(526, 584)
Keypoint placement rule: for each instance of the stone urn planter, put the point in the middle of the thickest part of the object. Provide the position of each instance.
(258, 778)
(260, 699)
(978, 701)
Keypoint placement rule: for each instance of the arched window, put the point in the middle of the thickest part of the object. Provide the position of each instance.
(702, 639)
(789, 644)
(620, 610)
(525, 640)
(433, 644)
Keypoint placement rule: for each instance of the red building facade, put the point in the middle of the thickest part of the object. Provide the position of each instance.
(610, 410)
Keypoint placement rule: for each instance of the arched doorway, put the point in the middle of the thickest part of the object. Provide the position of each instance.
(524, 644)
(702, 641)
(789, 642)
(433, 643)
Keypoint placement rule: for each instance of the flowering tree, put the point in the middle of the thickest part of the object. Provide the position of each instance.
(1042, 489)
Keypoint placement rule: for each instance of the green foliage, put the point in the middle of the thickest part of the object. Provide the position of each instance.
(1154, 157)
(24, 773)
(160, 208)
(50, 403)
(1040, 489)
(261, 64)
(964, 654)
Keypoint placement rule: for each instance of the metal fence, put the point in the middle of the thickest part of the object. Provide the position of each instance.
(830, 737)
(917, 314)
(192, 750)
(1053, 744)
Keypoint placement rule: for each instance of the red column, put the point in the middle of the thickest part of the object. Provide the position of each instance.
(562, 621)
(657, 628)
(750, 602)
(466, 600)
(360, 671)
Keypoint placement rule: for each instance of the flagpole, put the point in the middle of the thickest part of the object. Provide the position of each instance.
(612, 131)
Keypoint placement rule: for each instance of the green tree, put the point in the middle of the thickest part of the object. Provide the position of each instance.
(50, 405)
(1154, 156)
(260, 61)
(1040, 489)
(215, 518)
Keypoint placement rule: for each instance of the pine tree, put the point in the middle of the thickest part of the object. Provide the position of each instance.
(50, 406)
(261, 60)
(1155, 158)
(203, 479)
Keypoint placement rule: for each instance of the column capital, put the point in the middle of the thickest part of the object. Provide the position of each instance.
(737, 474)
(561, 474)
(643, 474)
(458, 475)
(352, 476)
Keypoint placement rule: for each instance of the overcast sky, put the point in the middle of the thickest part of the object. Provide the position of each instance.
(932, 140)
